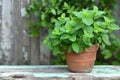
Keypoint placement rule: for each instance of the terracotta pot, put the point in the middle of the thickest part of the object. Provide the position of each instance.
(82, 62)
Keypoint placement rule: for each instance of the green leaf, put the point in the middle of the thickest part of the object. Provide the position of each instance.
(53, 2)
(49, 46)
(113, 27)
(105, 38)
(97, 28)
(53, 11)
(43, 16)
(75, 47)
(113, 36)
(77, 14)
(63, 15)
(107, 54)
(66, 6)
(64, 36)
(116, 42)
(86, 40)
(89, 29)
(55, 51)
(45, 41)
(107, 20)
(56, 42)
(72, 38)
(87, 21)
(88, 35)
(53, 20)
(68, 28)
(102, 47)
(95, 8)
(99, 14)
(56, 32)
(62, 29)
(61, 20)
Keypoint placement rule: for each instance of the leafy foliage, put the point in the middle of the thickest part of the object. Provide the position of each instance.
(88, 29)
(111, 54)
(47, 11)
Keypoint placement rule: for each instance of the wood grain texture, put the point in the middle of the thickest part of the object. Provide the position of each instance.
(6, 33)
(35, 51)
(14, 35)
(16, 47)
(57, 73)
(25, 30)
(0, 32)
(21, 34)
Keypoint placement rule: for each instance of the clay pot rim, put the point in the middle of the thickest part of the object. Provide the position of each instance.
(90, 49)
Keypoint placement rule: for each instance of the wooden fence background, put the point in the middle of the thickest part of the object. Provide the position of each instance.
(16, 47)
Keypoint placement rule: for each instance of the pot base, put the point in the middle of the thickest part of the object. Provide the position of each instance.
(83, 62)
(82, 71)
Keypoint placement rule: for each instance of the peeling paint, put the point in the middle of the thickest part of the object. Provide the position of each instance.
(23, 12)
(105, 71)
(51, 75)
(25, 54)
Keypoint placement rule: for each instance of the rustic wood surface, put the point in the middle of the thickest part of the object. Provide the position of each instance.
(16, 47)
(57, 73)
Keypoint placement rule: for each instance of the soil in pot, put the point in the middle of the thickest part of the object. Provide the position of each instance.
(82, 62)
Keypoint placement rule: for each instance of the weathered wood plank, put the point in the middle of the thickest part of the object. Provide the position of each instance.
(57, 73)
(6, 34)
(35, 51)
(14, 39)
(1, 62)
(21, 34)
(25, 31)
(17, 27)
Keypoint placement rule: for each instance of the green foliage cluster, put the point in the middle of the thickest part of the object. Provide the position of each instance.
(45, 11)
(111, 54)
(79, 31)
(52, 12)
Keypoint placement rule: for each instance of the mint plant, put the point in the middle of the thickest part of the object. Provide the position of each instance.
(79, 31)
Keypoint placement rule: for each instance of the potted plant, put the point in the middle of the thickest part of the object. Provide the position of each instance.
(79, 35)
